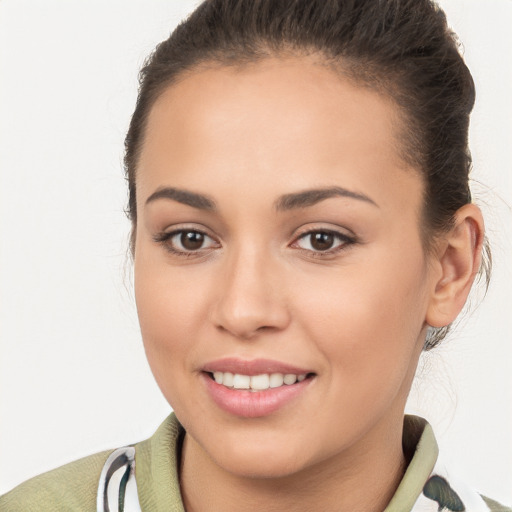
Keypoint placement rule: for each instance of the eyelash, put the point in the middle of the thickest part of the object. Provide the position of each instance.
(345, 242)
(164, 239)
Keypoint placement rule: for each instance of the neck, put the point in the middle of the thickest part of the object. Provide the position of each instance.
(363, 477)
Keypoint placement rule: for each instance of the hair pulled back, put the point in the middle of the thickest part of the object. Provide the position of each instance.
(401, 48)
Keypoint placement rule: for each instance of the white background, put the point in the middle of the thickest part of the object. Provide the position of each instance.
(73, 376)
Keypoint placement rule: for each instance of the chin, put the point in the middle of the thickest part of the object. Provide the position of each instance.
(260, 466)
(259, 459)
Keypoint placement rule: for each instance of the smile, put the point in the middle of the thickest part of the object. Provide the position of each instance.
(252, 389)
(260, 382)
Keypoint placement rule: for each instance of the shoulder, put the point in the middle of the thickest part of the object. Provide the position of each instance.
(429, 483)
(70, 487)
(75, 486)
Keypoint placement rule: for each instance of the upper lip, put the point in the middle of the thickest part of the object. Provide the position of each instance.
(252, 367)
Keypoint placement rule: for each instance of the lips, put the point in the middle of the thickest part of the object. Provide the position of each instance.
(254, 388)
(253, 367)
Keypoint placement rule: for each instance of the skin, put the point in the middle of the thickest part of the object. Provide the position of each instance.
(257, 288)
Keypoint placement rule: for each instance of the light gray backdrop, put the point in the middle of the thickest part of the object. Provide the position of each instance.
(73, 376)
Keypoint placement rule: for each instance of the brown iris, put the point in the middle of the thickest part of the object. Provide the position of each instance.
(192, 240)
(322, 241)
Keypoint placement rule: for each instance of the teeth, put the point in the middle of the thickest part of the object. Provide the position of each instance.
(260, 382)
(276, 380)
(290, 379)
(228, 379)
(241, 381)
(256, 382)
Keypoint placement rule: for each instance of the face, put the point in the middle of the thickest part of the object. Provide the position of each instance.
(280, 279)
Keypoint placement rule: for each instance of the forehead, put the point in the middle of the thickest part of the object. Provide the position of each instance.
(274, 120)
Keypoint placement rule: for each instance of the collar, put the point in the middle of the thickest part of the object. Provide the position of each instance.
(151, 473)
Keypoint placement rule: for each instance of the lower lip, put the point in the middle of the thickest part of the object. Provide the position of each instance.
(253, 404)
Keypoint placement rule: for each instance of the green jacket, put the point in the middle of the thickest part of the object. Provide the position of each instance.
(425, 487)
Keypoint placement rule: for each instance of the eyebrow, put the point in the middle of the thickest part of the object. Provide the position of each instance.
(302, 199)
(308, 198)
(199, 201)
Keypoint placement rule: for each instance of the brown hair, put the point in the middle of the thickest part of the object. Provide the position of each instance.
(402, 48)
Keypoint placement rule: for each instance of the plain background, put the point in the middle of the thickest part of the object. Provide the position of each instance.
(73, 376)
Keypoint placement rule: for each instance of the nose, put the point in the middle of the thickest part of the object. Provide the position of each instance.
(250, 297)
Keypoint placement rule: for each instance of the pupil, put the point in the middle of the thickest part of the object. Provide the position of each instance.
(192, 240)
(322, 241)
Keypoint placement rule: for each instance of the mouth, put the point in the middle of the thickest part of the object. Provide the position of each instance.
(257, 383)
(256, 388)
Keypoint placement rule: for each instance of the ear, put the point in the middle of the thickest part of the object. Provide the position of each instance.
(458, 260)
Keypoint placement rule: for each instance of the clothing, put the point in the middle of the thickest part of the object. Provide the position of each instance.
(146, 478)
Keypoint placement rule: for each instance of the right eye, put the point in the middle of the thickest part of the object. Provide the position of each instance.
(186, 242)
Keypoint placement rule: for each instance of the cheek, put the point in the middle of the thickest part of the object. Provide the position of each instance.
(366, 320)
(169, 309)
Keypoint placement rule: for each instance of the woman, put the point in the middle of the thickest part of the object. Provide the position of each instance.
(302, 230)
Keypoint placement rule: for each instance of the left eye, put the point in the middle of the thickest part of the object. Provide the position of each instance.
(186, 241)
(322, 241)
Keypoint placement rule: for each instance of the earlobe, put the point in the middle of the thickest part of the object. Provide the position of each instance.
(458, 259)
